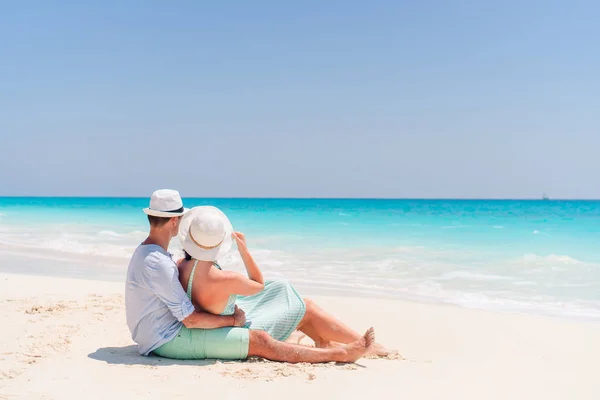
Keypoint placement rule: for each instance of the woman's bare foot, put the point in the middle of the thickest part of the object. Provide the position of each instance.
(325, 344)
(376, 351)
(359, 348)
(380, 351)
(296, 337)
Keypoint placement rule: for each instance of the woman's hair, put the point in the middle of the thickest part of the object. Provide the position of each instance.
(187, 256)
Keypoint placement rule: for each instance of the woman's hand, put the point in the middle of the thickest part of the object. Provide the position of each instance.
(240, 239)
(252, 269)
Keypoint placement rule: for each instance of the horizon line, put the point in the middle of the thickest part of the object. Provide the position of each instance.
(304, 198)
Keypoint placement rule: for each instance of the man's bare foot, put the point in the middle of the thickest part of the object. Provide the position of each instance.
(355, 350)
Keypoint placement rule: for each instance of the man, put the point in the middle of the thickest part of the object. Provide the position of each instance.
(162, 319)
(156, 305)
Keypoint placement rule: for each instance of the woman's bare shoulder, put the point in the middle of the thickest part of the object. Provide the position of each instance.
(214, 274)
(223, 277)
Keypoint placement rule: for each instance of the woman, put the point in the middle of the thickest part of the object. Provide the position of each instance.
(272, 306)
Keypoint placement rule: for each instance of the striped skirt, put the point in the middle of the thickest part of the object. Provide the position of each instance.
(278, 309)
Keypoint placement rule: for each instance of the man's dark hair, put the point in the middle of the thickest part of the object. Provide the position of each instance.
(157, 222)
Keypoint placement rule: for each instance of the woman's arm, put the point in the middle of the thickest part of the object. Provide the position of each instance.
(236, 283)
(251, 267)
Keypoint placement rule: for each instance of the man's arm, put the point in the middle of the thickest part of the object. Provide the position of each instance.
(204, 320)
(161, 277)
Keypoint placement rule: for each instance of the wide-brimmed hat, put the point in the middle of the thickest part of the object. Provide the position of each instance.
(166, 203)
(205, 233)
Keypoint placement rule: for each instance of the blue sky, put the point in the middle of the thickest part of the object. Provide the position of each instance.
(304, 99)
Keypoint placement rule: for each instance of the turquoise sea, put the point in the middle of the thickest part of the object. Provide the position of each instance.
(538, 257)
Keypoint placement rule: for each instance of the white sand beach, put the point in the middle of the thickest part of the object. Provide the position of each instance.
(67, 339)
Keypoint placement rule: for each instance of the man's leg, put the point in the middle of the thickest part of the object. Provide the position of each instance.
(263, 345)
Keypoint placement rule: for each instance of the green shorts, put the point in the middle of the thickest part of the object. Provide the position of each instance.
(197, 344)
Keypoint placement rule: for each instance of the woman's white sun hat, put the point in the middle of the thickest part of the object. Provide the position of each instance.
(166, 203)
(205, 233)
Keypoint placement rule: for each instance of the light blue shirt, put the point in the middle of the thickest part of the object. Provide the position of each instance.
(155, 302)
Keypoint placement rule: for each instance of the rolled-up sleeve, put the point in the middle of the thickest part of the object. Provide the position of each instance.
(162, 278)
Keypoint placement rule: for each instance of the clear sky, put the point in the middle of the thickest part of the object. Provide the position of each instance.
(300, 99)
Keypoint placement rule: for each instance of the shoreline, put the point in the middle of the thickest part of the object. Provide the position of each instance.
(114, 274)
(520, 258)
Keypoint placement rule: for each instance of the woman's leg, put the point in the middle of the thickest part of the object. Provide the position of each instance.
(324, 329)
(263, 345)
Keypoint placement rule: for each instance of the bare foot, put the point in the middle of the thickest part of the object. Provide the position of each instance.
(380, 351)
(377, 350)
(325, 344)
(355, 350)
(296, 337)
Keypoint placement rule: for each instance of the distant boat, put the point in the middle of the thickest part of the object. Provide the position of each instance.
(545, 197)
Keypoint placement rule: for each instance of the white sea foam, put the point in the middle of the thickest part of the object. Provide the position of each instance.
(137, 234)
(550, 259)
(548, 306)
(66, 243)
(434, 292)
(474, 276)
(525, 283)
(110, 234)
(572, 285)
(554, 284)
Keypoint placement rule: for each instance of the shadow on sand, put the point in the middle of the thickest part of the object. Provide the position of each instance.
(128, 355)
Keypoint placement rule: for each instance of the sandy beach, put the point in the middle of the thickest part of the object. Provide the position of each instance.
(67, 339)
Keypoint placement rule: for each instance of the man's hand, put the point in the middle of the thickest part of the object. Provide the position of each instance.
(239, 317)
(204, 320)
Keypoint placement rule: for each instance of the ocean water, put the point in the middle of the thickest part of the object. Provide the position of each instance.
(537, 257)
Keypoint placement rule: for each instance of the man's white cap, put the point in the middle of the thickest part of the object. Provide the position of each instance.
(166, 203)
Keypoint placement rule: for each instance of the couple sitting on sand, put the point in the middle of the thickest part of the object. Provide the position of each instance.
(223, 314)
